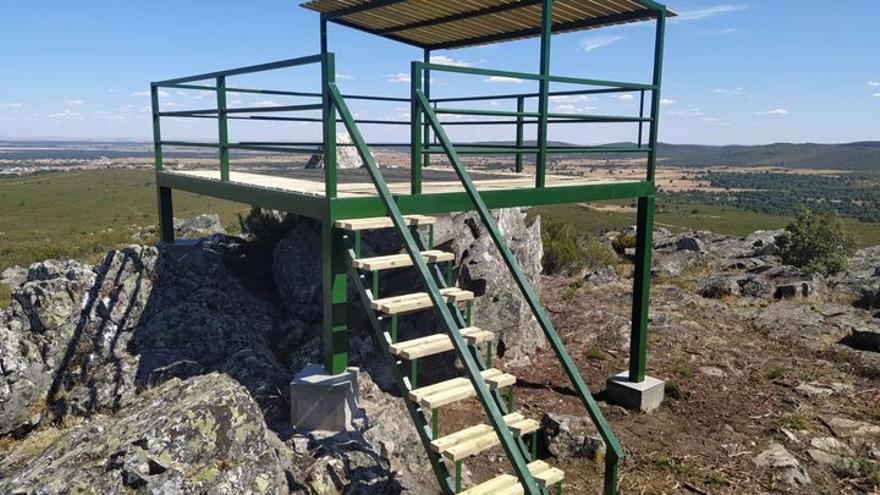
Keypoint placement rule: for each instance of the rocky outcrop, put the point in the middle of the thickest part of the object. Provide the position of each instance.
(204, 225)
(201, 435)
(784, 467)
(347, 156)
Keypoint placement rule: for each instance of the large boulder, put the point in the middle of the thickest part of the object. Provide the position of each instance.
(203, 435)
(347, 156)
(502, 309)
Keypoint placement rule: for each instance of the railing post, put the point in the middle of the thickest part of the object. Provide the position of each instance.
(223, 128)
(520, 108)
(416, 130)
(157, 127)
(328, 77)
(645, 228)
(544, 86)
(426, 140)
(641, 116)
(335, 291)
(163, 194)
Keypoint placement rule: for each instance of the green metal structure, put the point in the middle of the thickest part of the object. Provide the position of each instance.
(428, 136)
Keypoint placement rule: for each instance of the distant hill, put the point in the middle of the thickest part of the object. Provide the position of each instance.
(862, 156)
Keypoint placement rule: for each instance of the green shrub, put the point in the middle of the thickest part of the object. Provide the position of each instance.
(561, 251)
(623, 242)
(775, 373)
(817, 243)
(599, 254)
(265, 227)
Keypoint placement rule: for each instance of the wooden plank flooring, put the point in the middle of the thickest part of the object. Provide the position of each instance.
(356, 185)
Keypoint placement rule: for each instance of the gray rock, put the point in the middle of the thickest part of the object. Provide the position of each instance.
(565, 436)
(718, 286)
(784, 467)
(200, 226)
(14, 276)
(763, 242)
(346, 156)
(833, 453)
(690, 243)
(796, 290)
(502, 308)
(602, 276)
(203, 435)
(814, 390)
(851, 428)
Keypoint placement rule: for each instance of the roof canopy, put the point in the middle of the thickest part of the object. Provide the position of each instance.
(436, 24)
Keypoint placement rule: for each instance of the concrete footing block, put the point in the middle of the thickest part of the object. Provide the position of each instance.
(324, 402)
(644, 396)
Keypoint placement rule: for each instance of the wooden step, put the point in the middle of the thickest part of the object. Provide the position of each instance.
(471, 441)
(418, 300)
(437, 343)
(545, 475)
(400, 260)
(383, 222)
(456, 389)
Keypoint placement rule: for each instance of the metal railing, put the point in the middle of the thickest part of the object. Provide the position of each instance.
(421, 144)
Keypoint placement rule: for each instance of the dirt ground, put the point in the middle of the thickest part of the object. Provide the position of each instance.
(730, 393)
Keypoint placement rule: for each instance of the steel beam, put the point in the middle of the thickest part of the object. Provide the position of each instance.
(335, 298)
(166, 214)
(544, 90)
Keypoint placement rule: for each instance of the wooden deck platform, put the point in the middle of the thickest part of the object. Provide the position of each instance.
(357, 184)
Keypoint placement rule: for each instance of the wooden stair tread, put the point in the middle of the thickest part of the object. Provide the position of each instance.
(400, 260)
(507, 484)
(383, 222)
(438, 343)
(417, 300)
(456, 389)
(475, 439)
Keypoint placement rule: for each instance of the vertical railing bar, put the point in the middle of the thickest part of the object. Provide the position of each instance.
(416, 130)
(427, 81)
(641, 116)
(223, 128)
(157, 128)
(544, 90)
(328, 76)
(520, 108)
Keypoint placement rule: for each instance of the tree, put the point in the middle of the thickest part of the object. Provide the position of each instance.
(817, 243)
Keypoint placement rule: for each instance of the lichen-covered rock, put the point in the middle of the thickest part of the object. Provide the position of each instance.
(203, 435)
(566, 436)
(502, 308)
(783, 466)
(346, 156)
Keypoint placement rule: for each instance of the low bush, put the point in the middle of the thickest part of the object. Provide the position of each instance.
(561, 250)
(265, 226)
(816, 243)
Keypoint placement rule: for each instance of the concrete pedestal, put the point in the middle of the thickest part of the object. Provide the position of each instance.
(644, 396)
(320, 401)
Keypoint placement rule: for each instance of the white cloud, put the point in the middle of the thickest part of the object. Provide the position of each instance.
(444, 60)
(569, 98)
(708, 12)
(690, 112)
(596, 42)
(774, 111)
(720, 32)
(265, 103)
(737, 91)
(400, 77)
(11, 104)
(666, 101)
(566, 108)
(73, 103)
(503, 79)
(874, 84)
(344, 77)
(876, 95)
(494, 103)
(143, 94)
(626, 97)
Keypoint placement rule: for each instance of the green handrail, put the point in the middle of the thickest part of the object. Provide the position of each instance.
(492, 410)
(616, 451)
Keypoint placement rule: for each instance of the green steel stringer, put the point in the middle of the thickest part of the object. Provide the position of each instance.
(425, 432)
(616, 452)
(495, 416)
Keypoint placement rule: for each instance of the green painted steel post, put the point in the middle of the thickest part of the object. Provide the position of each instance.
(157, 128)
(223, 129)
(641, 290)
(414, 373)
(469, 312)
(645, 227)
(335, 299)
(489, 354)
(435, 423)
(544, 90)
(520, 108)
(166, 215)
(375, 277)
(394, 321)
(328, 77)
(457, 476)
(427, 134)
(610, 487)
(534, 444)
(416, 130)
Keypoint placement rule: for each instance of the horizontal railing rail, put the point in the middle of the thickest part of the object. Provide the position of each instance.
(281, 64)
(534, 77)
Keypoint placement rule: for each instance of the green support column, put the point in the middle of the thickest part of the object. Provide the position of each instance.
(641, 289)
(645, 227)
(544, 90)
(166, 215)
(223, 129)
(335, 293)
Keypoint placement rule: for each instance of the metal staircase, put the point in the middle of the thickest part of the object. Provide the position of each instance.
(491, 387)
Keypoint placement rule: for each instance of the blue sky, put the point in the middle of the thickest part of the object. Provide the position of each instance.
(747, 73)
